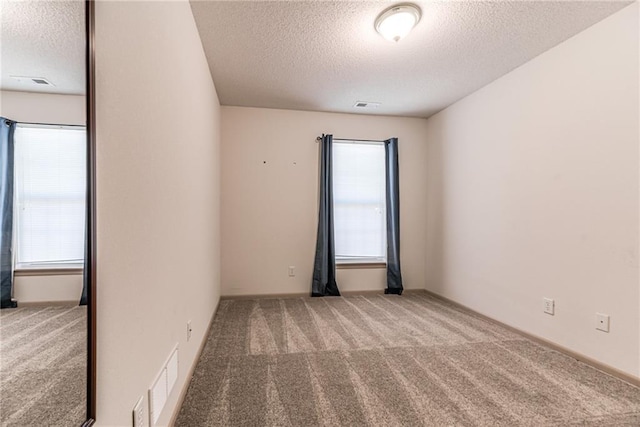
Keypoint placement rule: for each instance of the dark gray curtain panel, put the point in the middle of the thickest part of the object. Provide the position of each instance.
(7, 129)
(84, 298)
(324, 267)
(85, 276)
(394, 275)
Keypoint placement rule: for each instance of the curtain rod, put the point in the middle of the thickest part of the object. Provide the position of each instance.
(9, 121)
(319, 138)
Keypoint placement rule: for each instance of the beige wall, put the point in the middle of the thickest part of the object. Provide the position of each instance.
(48, 109)
(47, 288)
(270, 198)
(43, 108)
(533, 184)
(157, 199)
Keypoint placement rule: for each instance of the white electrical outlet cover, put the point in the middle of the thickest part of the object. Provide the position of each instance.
(549, 306)
(602, 322)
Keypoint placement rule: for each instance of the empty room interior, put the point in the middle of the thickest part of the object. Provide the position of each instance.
(320, 213)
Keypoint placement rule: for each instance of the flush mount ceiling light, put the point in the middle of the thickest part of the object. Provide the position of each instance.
(396, 22)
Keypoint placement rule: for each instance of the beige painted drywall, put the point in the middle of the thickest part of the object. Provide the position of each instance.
(55, 288)
(43, 108)
(533, 192)
(157, 199)
(270, 198)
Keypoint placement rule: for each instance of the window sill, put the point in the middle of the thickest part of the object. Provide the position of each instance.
(360, 264)
(24, 272)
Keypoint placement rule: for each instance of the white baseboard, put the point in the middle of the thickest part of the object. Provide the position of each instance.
(624, 376)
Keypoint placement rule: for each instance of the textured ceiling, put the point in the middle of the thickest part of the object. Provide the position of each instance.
(43, 39)
(326, 55)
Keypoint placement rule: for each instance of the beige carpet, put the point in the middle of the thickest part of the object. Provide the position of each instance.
(389, 361)
(43, 361)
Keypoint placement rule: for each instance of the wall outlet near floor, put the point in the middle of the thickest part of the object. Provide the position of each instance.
(292, 271)
(602, 322)
(549, 306)
(189, 330)
(138, 413)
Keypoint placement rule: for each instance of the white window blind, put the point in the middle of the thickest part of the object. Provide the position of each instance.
(359, 202)
(50, 186)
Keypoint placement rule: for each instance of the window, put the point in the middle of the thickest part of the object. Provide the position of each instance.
(359, 202)
(50, 187)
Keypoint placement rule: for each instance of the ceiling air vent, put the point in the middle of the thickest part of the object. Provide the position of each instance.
(33, 81)
(363, 104)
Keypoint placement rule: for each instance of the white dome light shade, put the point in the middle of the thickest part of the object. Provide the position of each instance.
(396, 22)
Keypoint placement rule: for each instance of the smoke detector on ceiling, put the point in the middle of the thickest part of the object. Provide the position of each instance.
(33, 81)
(363, 104)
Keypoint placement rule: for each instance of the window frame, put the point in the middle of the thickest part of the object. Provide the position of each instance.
(361, 261)
(39, 268)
